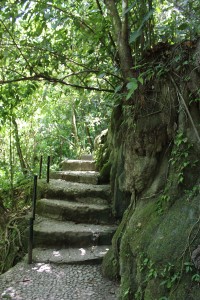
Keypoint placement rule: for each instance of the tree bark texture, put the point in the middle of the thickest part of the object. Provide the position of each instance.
(120, 26)
(18, 146)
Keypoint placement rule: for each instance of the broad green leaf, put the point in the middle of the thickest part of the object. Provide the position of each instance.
(118, 88)
(39, 30)
(135, 35)
(101, 75)
(141, 80)
(131, 87)
(148, 16)
(183, 26)
(138, 32)
(130, 7)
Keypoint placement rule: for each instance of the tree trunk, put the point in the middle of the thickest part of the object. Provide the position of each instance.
(74, 129)
(18, 147)
(120, 26)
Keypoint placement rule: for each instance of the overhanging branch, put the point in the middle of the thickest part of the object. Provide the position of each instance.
(40, 77)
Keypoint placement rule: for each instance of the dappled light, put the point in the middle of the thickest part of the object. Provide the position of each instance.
(67, 282)
(56, 253)
(40, 267)
(83, 252)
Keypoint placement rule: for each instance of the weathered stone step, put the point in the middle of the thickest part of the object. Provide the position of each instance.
(75, 211)
(84, 255)
(86, 157)
(49, 233)
(89, 177)
(60, 189)
(78, 165)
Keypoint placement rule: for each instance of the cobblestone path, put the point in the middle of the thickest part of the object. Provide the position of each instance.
(56, 282)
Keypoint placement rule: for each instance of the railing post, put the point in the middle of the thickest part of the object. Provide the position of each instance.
(31, 221)
(34, 196)
(40, 172)
(48, 168)
(30, 242)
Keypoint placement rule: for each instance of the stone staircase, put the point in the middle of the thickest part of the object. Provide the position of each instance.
(74, 222)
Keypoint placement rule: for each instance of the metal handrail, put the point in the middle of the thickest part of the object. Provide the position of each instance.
(32, 218)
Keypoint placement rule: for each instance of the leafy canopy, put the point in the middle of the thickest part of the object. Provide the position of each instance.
(73, 42)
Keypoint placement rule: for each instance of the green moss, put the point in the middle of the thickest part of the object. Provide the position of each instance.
(155, 291)
(129, 270)
(110, 266)
(142, 226)
(163, 239)
(104, 176)
(42, 187)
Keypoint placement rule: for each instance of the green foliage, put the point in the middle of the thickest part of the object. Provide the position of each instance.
(43, 114)
(177, 21)
(132, 85)
(194, 191)
(162, 201)
(136, 34)
(196, 278)
(169, 275)
(180, 158)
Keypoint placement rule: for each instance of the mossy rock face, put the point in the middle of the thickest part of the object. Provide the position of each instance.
(163, 240)
(110, 266)
(154, 290)
(121, 198)
(155, 157)
(178, 224)
(104, 176)
(102, 151)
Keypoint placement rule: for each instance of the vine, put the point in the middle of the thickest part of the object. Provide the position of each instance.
(168, 275)
(180, 155)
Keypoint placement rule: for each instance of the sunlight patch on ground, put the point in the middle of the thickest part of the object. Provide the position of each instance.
(56, 254)
(41, 267)
(10, 293)
(104, 252)
(83, 252)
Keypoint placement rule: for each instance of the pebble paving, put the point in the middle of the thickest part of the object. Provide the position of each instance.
(56, 282)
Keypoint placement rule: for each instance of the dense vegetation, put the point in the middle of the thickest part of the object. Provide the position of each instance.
(64, 67)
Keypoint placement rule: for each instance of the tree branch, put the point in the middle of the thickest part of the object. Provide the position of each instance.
(124, 20)
(40, 77)
(110, 4)
(92, 71)
(109, 34)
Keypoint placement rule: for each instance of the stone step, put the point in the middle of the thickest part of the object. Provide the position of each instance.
(86, 157)
(78, 165)
(49, 233)
(75, 211)
(89, 177)
(72, 191)
(84, 255)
